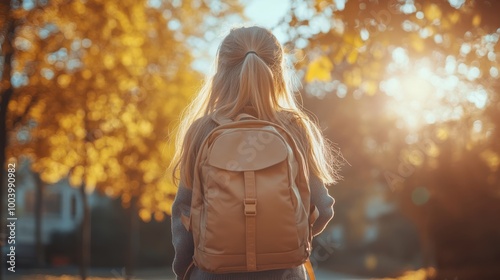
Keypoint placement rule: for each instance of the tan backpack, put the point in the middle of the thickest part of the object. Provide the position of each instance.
(250, 208)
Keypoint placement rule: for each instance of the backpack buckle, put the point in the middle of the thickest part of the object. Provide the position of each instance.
(250, 206)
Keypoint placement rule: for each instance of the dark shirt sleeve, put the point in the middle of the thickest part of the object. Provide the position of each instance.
(323, 201)
(182, 239)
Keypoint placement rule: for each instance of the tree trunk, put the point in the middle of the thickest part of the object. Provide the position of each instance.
(133, 238)
(84, 235)
(39, 251)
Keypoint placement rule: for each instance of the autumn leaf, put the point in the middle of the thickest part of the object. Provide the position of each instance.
(432, 12)
(319, 69)
(476, 20)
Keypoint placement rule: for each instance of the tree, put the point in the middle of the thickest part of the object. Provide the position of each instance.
(98, 84)
(408, 91)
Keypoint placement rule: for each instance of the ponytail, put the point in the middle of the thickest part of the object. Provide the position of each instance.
(256, 87)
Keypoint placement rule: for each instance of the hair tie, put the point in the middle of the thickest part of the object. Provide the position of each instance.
(251, 52)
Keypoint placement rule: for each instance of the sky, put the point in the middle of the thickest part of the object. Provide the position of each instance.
(264, 13)
(267, 13)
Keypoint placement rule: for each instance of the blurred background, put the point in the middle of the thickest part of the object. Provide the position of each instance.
(91, 92)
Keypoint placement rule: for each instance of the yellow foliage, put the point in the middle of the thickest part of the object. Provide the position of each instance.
(476, 20)
(12, 105)
(352, 57)
(319, 69)
(145, 215)
(353, 78)
(79, 7)
(432, 12)
(377, 52)
(75, 179)
(159, 216)
(370, 87)
(417, 43)
(64, 80)
(421, 274)
(86, 74)
(109, 61)
(102, 123)
(491, 158)
(442, 134)
(454, 17)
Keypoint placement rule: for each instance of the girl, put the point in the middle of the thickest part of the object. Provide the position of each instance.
(250, 78)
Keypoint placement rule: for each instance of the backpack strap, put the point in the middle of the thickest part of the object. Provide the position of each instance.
(250, 212)
(186, 221)
(313, 215)
(220, 120)
(244, 116)
(310, 270)
(187, 274)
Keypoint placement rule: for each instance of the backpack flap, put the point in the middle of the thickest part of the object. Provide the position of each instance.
(257, 149)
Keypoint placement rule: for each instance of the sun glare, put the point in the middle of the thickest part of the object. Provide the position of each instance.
(423, 92)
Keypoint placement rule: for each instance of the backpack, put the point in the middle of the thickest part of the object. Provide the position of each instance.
(250, 208)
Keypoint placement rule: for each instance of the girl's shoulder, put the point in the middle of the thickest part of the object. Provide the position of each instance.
(199, 129)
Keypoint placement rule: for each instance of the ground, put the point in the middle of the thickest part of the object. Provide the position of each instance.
(143, 274)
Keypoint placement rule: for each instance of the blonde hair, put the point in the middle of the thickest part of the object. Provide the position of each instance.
(250, 71)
